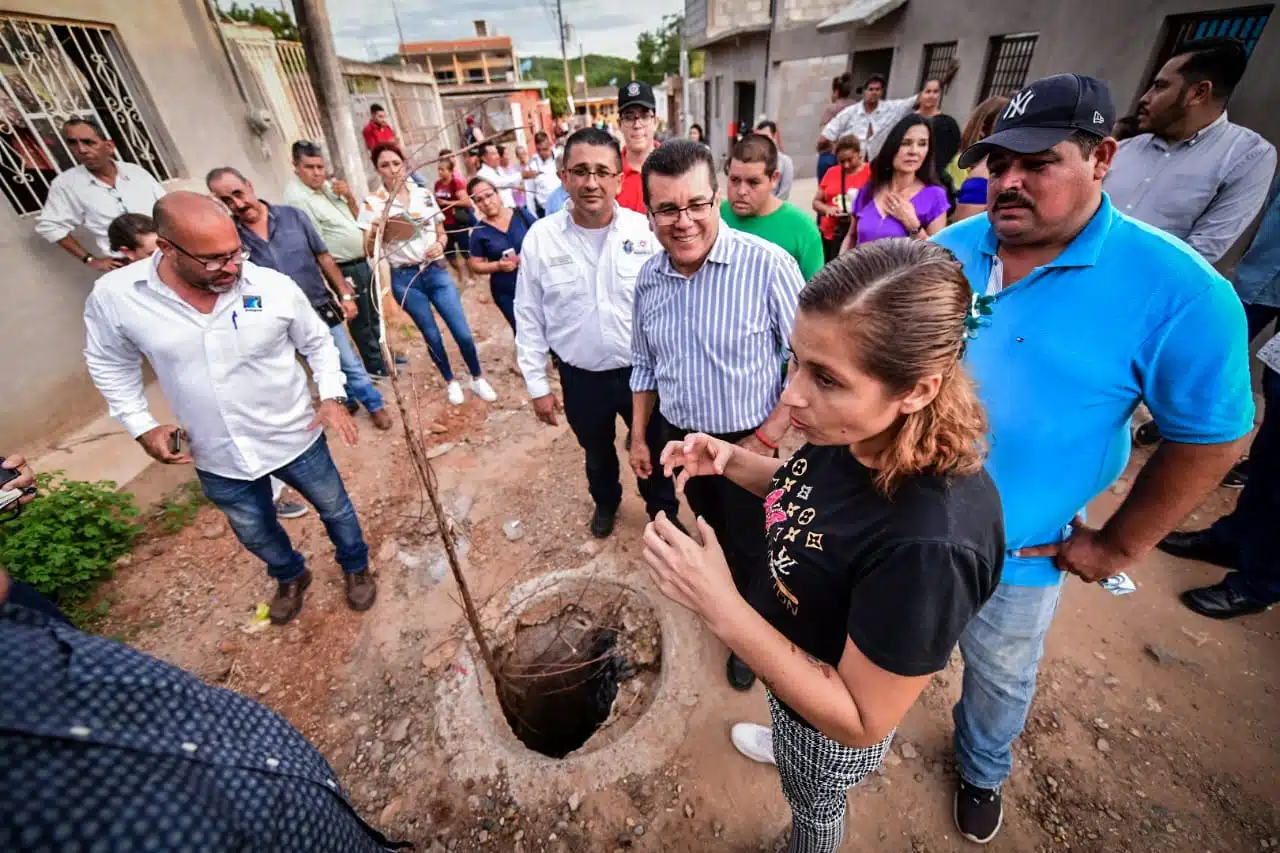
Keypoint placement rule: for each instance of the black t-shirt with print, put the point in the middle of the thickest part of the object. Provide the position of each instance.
(901, 576)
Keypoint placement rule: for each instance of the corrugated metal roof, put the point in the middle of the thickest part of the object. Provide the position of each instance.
(861, 13)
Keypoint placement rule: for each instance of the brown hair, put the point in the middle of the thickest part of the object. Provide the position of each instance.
(383, 147)
(905, 302)
(848, 142)
(982, 120)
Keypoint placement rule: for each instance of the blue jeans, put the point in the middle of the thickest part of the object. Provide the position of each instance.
(359, 386)
(252, 514)
(1250, 531)
(1002, 648)
(418, 291)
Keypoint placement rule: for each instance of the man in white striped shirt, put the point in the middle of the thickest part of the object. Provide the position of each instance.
(713, 316)
(574, 294)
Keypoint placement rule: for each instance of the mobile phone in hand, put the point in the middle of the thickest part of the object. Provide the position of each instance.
(508, 254)
(175, 441)
(8, 496)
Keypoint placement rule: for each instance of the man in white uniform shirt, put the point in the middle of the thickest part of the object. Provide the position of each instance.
(543, 172)
(93, 194)
(574, 296)
(872, 118)
(491, 170)
(222, 335)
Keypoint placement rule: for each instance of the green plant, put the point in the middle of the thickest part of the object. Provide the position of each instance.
(67, 539)
(180, 509)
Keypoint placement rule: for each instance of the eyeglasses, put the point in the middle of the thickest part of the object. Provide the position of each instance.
(698, 211)
(215, 263)
(582, 173)
(636, 118)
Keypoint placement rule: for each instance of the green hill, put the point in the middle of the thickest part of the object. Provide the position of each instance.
(600, 69)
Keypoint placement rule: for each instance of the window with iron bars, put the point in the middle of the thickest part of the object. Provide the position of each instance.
(1245, 24)
(1008, 61)
(54, 71)
(937, 60)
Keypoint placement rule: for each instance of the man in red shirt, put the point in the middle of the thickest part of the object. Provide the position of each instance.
(636, 107)
(378, 130)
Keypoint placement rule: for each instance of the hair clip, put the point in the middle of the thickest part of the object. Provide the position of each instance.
(978, 315)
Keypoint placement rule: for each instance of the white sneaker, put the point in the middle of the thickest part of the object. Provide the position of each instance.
(455, 394)
(482, 389)
(755, 742)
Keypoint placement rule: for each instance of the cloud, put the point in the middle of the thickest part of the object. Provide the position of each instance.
(366, 30)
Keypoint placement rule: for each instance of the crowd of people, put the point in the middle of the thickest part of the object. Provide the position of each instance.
(960, 340)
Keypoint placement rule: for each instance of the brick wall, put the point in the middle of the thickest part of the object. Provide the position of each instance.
(723, 15)
(803, 11)
(799, 90)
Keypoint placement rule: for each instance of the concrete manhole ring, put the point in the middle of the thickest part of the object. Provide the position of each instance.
(625, 631)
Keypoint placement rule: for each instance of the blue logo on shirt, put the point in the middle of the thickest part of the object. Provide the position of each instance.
(627, 246)
(252, 303)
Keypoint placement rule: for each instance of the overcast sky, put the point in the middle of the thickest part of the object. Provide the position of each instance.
(365, 30)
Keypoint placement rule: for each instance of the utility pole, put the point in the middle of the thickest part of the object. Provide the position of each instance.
(582, 58)
(395, 13)
(325, 73)
(564, 54)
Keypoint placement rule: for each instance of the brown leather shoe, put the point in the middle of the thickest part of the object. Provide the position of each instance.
(381, 419)
(361, 590)
(288, 599)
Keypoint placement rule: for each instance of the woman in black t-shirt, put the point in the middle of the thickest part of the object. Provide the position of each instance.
(885, 533)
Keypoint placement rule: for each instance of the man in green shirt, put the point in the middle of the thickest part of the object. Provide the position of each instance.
(750, 205)
(332, 208)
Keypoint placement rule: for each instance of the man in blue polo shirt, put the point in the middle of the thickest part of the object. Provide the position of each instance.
(1091, 313)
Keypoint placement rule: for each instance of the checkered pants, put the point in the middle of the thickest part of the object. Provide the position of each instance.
(817, 773)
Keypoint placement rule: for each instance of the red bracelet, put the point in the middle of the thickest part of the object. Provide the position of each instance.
(766, 442)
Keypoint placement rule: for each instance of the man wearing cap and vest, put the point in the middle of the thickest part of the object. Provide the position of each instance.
(636, 106)
(1091, 313)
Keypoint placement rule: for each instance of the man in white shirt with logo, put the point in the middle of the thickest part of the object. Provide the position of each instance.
(222, 335)
(872, 118)
(93, 194)
(574, 297)
(491, 170)
(542, 172)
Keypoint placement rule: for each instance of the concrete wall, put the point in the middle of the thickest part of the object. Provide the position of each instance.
(725, 15)
(791, 12)
(1087, 36)
(799, 90)
(174, 50)
(742, 59)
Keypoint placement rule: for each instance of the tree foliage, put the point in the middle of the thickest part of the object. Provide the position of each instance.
(658, 50)
(278, 21)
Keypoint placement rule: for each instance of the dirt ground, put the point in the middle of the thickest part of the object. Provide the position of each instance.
(1153, 730)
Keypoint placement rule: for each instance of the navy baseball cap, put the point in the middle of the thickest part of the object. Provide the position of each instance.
(1045, 113)
(636, 94)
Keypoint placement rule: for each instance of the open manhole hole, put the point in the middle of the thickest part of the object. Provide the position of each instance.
(580, 666)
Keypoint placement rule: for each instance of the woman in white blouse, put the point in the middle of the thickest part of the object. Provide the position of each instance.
(419, 278)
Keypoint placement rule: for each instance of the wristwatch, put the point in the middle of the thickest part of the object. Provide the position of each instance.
(347, 297)
(86, 258)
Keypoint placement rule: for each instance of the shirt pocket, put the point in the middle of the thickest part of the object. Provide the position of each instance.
(564, 287)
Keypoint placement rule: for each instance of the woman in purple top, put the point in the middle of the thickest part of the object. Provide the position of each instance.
(903, 197)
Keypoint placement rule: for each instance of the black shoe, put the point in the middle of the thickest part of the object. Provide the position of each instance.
(1221, 602)
(1197, 545)
(1238, 476)
(1146, 435)
(978, 812)
(602, 521)
(740, 675)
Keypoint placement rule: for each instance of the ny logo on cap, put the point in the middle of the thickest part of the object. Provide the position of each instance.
(1018, 104)
(633, 89)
